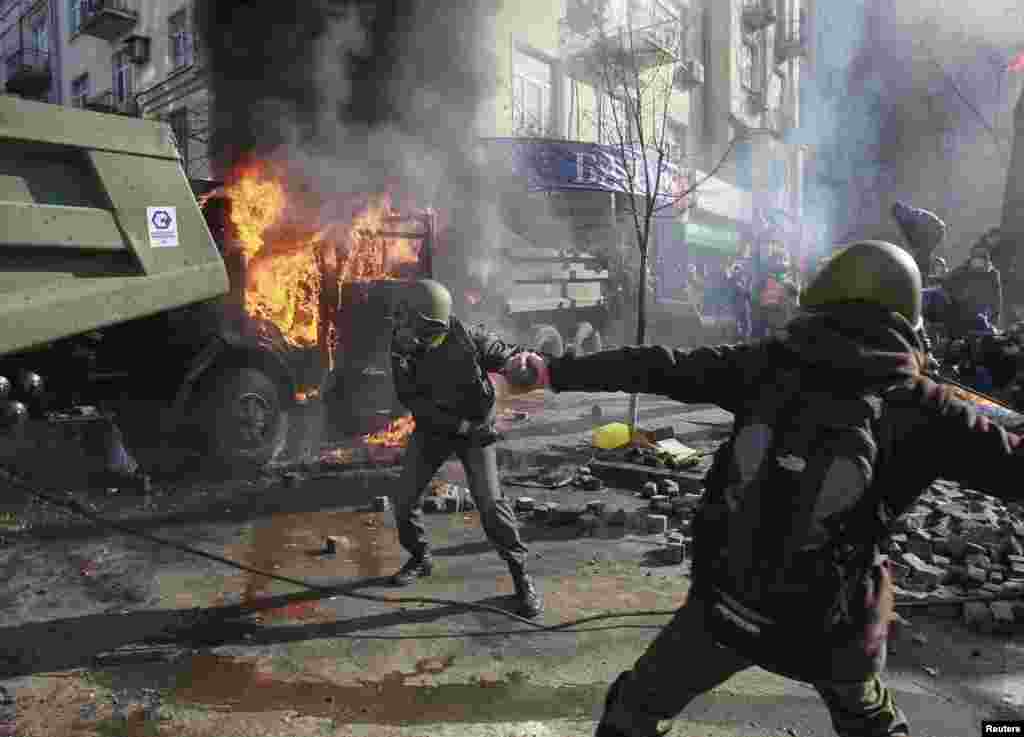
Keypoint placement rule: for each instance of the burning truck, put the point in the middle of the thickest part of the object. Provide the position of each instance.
(323, 273)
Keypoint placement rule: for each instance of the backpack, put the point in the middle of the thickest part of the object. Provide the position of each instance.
(792, 519)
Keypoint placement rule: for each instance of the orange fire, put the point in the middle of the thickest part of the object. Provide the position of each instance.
(395, 434)
(289, 249)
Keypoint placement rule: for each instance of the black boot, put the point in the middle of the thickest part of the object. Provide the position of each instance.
(419, 566)
(530, 603)
(604, 727)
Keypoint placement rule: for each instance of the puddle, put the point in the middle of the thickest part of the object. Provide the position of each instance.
(396, 698)
(290, 544)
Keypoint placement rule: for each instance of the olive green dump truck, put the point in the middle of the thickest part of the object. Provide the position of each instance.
(111, 291)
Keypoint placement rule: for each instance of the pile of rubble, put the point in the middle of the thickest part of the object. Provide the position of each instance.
(957, 542)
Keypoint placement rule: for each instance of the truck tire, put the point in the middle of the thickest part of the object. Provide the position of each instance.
(246, 424)
(588, 339)
(547, 339)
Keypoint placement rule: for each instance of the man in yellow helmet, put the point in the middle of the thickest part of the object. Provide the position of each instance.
(837, 432)
(440, 373)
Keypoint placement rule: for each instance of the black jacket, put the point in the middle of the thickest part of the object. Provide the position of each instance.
(449, 383)
(974, 291)
(934, 434)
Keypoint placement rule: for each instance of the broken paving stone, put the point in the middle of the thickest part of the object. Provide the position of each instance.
(992, 588)
(618, 518)
(1002, 614)
(525, 504)
(596, 507)
(587, 523)
(923, 573)
(649, 489)
(657, 524)
(933, 672)
(668, 487)
(976, 576)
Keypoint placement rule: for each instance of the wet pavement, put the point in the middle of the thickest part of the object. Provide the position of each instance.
(106, 634)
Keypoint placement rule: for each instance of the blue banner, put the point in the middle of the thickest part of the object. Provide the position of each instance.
(548, 165)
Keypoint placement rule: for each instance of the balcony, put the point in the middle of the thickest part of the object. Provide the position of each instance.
(590, 56)
(688, 74)
(109, 20)
(791, 41)
(758, 14)
(107, 102)
(28, 71)
(756, 103)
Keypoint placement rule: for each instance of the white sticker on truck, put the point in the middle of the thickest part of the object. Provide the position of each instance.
(163, 227)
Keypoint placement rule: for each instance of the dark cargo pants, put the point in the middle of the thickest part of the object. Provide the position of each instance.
(423, 457)
(684, 661)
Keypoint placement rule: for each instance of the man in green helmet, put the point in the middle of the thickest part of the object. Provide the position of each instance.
(837, 432)
(440, 370)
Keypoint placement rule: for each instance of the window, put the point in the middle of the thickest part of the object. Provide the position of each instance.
(79, 90)
(40, 34)
(178, 121)
(180, 36)
(675, 142)
(750, 64)
(531, 95)
(76, 12)
(615, 122)
(123, 78)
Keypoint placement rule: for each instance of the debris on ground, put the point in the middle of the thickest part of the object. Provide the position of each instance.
(552, 478)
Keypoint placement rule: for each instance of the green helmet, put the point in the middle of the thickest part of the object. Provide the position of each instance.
(869, 271)
(429, 299)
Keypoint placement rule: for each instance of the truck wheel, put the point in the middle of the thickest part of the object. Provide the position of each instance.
(547, 339)
(588, 339)
(246, 424)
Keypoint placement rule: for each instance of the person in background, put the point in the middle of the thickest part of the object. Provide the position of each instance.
(976, 293)
(739, 299)
(440, 369)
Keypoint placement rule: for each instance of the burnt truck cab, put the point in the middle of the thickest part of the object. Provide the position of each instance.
(113, 289)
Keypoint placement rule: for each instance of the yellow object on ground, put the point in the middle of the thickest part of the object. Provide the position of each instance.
(612, 435)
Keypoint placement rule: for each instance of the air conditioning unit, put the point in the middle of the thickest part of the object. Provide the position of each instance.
(756, 102)
(688, 74)
(758, 14)
(138, 49)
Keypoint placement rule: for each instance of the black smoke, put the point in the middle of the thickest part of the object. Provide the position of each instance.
(363, 96)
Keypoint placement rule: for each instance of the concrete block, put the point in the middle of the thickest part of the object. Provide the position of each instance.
(674, 552)
(668, 487)
(649, 489)
(657, 524)
(978, 616)
(976, 576)
(1002, 615)
(525, 504)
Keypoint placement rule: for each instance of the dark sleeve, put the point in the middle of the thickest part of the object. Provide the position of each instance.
(712, 374)
(997, 293)
(492, 351)
(936, 435)
(423, 409)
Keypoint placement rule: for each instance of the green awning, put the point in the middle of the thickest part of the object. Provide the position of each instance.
(712, 237)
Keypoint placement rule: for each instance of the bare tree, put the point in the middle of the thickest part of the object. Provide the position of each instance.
(639, 63)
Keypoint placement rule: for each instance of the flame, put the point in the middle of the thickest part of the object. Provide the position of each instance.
(288, 251)
(395, 435)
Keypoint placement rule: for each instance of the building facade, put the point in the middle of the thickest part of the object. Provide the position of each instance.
(130, 57)
(729, 108)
